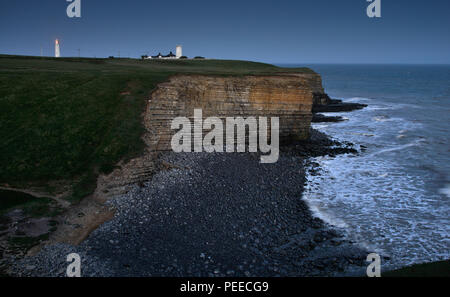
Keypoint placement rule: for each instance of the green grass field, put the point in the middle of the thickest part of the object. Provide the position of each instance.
(69, 119)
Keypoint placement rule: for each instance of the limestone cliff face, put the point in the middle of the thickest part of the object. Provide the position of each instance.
(319, 95)
(314, 81)
(287, 96)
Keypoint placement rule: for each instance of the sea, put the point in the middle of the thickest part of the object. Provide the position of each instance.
(393, 197)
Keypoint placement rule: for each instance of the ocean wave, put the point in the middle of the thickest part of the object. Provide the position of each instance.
(399, 147)
(379, 207)
(319, 212)
(319, 126)
(445, 190)
(381, 118)
(363, 134)
(379, 107)
(355, 99)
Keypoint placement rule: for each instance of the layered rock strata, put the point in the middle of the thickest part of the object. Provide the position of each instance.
(287, 96)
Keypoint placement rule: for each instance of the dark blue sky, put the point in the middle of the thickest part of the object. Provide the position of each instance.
(282, 31)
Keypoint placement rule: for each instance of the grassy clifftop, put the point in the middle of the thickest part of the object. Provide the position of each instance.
(69, 119)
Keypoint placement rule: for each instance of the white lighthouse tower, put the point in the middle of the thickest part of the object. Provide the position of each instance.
(57, 52)
(179, 51)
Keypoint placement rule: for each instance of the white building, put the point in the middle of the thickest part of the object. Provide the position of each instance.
(179, 52)
(170, 56)
(57, 52)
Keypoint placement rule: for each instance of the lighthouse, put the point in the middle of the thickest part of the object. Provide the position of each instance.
(179, 52)
(57, 53)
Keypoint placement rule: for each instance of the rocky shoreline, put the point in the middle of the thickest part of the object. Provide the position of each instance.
(320, 118)
(213, 214)
(333, 105)
(337, 105)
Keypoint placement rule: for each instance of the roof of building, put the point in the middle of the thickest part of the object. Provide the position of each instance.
(170, 55)
(159, 55)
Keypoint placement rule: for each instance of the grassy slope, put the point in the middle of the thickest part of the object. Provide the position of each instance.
(69, 118)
